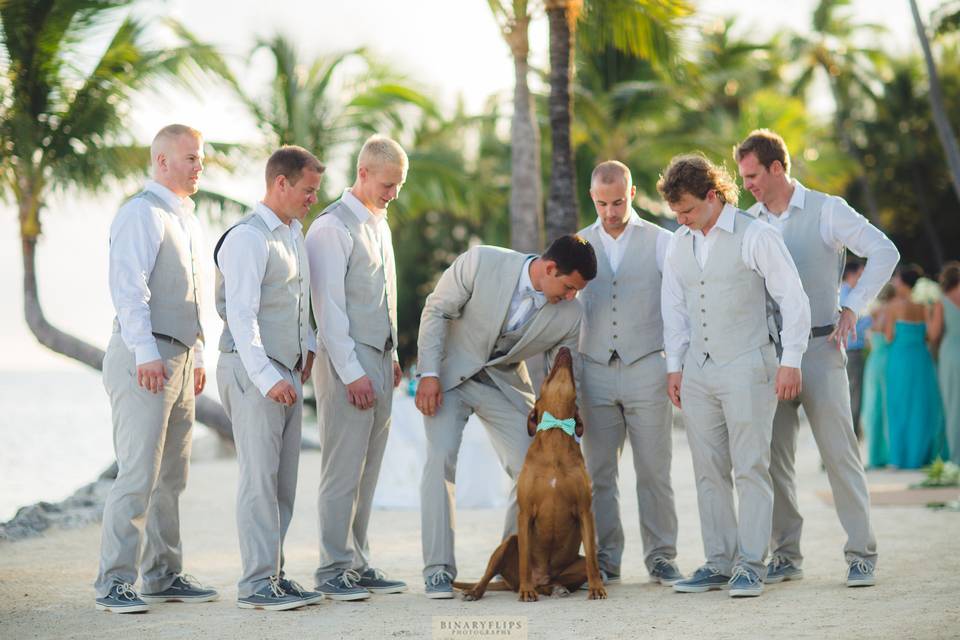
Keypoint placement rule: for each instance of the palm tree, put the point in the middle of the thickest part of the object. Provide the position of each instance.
(526, 193)
(642, 28)
(63, 125)
(947, 136)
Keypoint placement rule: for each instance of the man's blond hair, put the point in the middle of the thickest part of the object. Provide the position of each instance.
(610, 172)
(379, 150)
(167, 134)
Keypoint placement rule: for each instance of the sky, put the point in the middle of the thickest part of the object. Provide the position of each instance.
(451, 48)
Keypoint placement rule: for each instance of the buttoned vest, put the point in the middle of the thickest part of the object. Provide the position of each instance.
(284, 314)
(726, 300)
(174, 283)
(622, 309)
(370, 285)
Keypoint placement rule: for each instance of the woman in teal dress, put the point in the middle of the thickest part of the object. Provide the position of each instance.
(873, 402)
(914, 408)
(947, 323)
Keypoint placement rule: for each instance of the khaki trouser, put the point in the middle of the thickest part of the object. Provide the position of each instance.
(728, 410)
(267, 437)
(151, 438)
(826, 401)
(620, 401)
(352, 442)
(507, 427)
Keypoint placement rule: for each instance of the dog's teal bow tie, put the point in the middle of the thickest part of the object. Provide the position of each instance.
(549, 422)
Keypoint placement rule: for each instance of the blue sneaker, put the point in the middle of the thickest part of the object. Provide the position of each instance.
(781, 569)
(376, 581)
(292, 587)
(665, 572)
(608, 577)
(344, 586)
(745, 583)
(439, 586)
(860, 573)
(271, 597)
(703, 579)
(122, 599)
(185, 588)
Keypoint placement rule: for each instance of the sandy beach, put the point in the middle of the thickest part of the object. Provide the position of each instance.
(46, 590)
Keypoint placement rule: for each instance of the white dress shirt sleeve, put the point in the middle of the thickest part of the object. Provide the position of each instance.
(198, 241)
(841, 226)
(673, 308)
(328, 248)
(765, 252)
(243, 262)
(135, 237)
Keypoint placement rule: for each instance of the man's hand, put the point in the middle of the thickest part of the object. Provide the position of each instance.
(673, 387)
(151, 375)
(360, 393)
(397, 374)
(429, 395)
(199, 380)
(788, 383)
(846, 328)
(307, 368)
(283, 393)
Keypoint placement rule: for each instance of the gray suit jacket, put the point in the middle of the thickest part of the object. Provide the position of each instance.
(463, 317)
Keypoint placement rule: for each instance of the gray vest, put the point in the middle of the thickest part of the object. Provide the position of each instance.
(820, 265)
(622, 310)
(284, 314)
(726, 301)
(174, 283)
(370, 285)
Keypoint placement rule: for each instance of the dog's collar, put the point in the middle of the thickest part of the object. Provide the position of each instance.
(569, 426)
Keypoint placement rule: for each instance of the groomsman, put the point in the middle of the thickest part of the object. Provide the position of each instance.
(817, 229)
(623, 382)
(723, 371)
(492, 309)
(267, 348)
(152, 371)
(354, 281)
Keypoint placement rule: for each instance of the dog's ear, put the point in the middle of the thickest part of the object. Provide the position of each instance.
(532, 422)
(578, 428)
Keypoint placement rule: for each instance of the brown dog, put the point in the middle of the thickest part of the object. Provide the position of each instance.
(555, 511)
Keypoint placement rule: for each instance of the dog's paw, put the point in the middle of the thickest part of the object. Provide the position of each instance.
(598, 594)
(560, 591)
(470, 596)
(528, 595)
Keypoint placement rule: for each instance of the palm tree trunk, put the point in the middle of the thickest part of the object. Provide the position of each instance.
(932, 236)
(209, 412)
(526, 195)
(947, 136)
(562, 211)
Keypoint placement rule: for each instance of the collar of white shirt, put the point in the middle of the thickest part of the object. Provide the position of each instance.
(271, 219)
(525, 285)
(364, 215)
(797, 200)
(182, 205)
(727, 216)
(633, 220)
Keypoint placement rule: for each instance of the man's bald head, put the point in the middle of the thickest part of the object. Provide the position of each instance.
(611, 172)
(176, 157)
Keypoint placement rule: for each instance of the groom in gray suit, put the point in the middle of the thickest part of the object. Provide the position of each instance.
(487, 315)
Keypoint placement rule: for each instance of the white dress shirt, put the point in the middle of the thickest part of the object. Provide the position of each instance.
(135, 237)
(329, 245)
(841, 226)
(616, 247)
(517, 312)
(243, 262)
(764, 252)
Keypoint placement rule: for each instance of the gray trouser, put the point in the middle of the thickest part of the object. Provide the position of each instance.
(507, 427)
(267, 436)
(826, 400)
(621, 401)
(352, 442)
(855, 363)
(151, 437)
(728, 410)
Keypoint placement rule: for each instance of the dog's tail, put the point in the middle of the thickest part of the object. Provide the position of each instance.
(496, 585)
